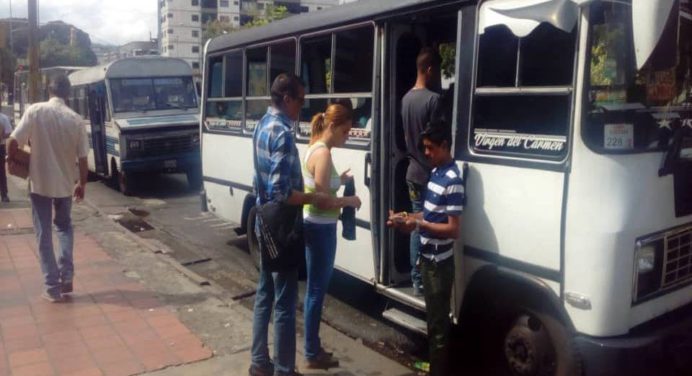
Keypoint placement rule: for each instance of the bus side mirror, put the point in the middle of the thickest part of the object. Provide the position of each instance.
(655, 33)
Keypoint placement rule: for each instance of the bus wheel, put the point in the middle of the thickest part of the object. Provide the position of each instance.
(537, 344)
(194, 178)
(252, 242)
(124, 183)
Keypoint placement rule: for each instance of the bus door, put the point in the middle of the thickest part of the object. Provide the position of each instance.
(97, 116)
(405, 38)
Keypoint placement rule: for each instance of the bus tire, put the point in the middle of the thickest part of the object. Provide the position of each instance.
(120, 180)
(252, 242)
(194, 178)
(538, 344)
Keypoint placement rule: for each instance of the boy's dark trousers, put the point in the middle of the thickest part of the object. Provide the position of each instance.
(438, 278)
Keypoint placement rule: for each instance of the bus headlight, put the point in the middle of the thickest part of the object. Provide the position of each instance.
(134, 144)
(646, 259)
(648, 265)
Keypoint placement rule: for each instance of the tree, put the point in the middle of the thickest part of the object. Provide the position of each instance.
(271, 13)
(54, 53)
(8, 64)
(215, 28)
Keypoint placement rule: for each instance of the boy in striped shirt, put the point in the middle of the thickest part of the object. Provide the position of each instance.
(439, 224)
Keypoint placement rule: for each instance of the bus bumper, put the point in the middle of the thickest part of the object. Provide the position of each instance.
(168, 163)
(659, 347)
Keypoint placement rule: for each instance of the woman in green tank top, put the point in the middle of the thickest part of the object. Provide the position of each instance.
(329, 129)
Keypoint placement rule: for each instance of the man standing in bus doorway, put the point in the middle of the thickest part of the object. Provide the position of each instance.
(417, 109)
(5, 130)
(278, 175)
(439, 225)
(58, 142)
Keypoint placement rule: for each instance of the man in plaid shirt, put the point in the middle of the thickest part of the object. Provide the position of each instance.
(278, 176)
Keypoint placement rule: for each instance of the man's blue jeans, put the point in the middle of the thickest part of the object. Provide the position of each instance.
(417, 195)
(320, 250)
(42, 212)
(277, 290)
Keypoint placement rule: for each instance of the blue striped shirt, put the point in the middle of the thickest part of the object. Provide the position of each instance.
(444, 197)
(278, 166)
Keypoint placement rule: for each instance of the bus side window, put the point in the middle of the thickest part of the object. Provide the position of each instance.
(348, 78)
(507, 120)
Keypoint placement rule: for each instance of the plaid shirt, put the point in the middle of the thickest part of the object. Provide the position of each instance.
(277, 170)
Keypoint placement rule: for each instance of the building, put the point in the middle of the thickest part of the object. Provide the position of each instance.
(182, 22)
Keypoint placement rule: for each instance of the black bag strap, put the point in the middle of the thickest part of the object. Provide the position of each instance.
(258, 186)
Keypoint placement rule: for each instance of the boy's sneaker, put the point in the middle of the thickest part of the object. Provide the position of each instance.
(417, 290)
(66, 287)
(323, 360)
(51, 298)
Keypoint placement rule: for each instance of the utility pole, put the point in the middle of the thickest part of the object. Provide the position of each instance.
(34, 78)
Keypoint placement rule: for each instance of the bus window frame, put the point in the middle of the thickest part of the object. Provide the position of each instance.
(468, 151)
(222, 98)
(243, 131)
(361, 144)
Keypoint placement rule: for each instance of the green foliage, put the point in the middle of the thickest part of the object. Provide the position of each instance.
(53, 53)
(215, 28)
(448, 56)
(271, 13)
(8, 64)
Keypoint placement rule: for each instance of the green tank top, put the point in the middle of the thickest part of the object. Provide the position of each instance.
(312, 213)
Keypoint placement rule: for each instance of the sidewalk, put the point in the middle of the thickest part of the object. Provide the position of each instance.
(112, 325)
(134, 310)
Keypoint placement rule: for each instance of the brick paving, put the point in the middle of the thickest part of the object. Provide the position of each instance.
(111, 325)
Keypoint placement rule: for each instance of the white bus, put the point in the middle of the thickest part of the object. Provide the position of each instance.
(142, 116)
(574, 119)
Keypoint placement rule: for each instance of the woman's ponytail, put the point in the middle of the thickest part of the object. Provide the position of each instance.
(317, 126)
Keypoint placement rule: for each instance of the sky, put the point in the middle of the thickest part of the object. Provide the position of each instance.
(106, 21)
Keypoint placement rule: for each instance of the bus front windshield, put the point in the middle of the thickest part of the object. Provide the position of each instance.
(148, 94)
(636, 110)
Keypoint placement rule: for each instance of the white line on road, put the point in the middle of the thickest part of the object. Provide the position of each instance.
(229, 225)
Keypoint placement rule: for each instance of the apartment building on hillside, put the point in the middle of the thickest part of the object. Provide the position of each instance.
(182, 22)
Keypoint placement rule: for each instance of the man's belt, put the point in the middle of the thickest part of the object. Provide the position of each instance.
(435, 248)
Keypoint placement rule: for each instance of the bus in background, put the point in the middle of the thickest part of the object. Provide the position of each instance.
(574, 118)
(141, 115)
(21, 87)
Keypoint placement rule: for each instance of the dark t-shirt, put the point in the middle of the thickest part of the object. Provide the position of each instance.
(417, 107)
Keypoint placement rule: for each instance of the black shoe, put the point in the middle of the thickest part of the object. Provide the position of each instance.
(5, 199)
(257, 371)
(66, 287)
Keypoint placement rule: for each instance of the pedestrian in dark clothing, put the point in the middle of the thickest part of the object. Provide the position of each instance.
(439, 225)
(417, 109)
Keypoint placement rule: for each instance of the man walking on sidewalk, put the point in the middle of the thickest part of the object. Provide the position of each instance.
(58, 140)
(5, 130)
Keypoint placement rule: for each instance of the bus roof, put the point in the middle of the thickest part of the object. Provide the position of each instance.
(348, 13)
(132, 67)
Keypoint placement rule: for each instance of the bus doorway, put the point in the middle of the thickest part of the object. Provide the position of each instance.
(97, 115)
(405, 38)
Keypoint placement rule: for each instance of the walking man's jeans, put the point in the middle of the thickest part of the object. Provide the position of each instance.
(42, 212)
(320, 250)
(417, 195)
(437, 284)
(278, 290)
